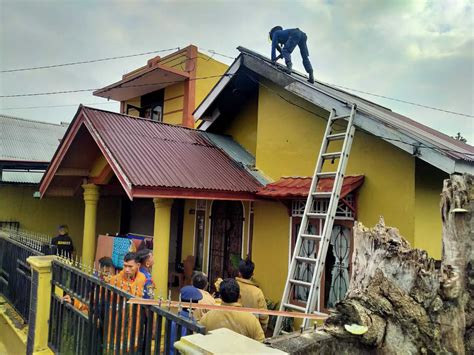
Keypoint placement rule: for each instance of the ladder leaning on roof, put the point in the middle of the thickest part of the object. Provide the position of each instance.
(316, 264)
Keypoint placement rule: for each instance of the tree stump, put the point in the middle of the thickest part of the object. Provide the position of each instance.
(410, 303)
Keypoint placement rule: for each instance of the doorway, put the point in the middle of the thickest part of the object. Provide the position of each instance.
(226, 239)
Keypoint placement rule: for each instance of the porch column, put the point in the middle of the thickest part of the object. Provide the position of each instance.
(161, 245)
(91, 198)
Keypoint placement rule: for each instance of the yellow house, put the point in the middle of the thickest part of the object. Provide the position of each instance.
(236, 185)
(396, 165)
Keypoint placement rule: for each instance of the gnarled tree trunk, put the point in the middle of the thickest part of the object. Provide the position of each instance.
(409, 304)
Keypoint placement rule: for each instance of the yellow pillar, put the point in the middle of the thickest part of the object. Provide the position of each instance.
(161, 245)
(40, 301)
(91, 198)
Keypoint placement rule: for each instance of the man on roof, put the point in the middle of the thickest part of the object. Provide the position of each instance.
(289, 39)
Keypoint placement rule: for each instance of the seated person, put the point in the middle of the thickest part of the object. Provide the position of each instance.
(242, 323)
(251, 295)
(186, 294)
(106, 268)
(200, 282)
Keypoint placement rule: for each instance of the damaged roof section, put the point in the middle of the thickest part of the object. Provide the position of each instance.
(152, 159)
(434, 147)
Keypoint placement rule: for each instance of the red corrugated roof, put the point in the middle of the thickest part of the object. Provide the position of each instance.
(147, 156)
(290, 187)
(153, 154)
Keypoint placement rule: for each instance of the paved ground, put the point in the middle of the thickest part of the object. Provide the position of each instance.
(9, 342)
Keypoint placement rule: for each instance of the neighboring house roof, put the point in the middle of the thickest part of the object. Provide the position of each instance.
(21, 177)
(153, 159)
(298, 187)
(28, 141)
(434, 147)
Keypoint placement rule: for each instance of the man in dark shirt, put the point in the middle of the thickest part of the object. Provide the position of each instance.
(63, 242)
(290, 39)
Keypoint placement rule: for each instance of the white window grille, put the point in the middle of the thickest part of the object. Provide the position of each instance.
(321, 205)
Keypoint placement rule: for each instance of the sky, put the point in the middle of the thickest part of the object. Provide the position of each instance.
(415, 50)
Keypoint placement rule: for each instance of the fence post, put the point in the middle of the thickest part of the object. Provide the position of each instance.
(40, 301)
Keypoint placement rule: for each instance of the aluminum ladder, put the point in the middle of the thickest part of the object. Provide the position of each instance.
(298, 260)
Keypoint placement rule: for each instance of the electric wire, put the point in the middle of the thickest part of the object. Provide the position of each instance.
(87, 61)
(416, 146)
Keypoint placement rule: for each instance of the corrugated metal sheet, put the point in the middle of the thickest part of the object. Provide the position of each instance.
(26, 140)
(290, 187)
(21, 177)
(153, 154)
(417, 131)
(237, 153)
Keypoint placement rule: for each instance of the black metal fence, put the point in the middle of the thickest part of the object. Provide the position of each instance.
(15, 273)
(98, 320)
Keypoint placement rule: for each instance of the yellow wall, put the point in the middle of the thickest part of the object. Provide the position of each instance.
(206, 66)
(45, 215)
(174, 100)
(428, 226)
(244, 126)
(270, 247)
(289, 139)
(134, 102)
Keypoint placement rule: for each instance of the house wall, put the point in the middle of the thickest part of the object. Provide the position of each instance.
(45, 215)
(270, 247)
(244, 126)
(289, 139)
(175, 93)
(428, 225)
(188, 228)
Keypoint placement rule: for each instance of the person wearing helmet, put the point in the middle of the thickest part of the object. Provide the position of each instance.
(289, 39)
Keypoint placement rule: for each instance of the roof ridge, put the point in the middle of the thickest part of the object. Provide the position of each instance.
(140, 118)
(30, 120)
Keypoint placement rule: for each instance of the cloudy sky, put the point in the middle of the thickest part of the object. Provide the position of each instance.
(415, 50)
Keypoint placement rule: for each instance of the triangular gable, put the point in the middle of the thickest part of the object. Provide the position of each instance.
(427, 144)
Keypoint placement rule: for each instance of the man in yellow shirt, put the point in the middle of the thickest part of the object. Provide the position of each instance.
(242, 323)
(250, 294)
(200, 282)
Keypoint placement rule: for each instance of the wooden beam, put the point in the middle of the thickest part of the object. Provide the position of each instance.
(72, 172)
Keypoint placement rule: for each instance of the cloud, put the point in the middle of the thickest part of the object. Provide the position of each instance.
(421, 51)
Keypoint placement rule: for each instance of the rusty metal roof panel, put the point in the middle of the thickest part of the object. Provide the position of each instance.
(153, 154)
(28, 141)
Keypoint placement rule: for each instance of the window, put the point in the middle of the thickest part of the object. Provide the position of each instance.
(336, 274)
(151, 107)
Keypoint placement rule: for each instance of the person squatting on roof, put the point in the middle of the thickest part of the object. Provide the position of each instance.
(145, 258)
(289, 39)
(242, 323)
(251, 295)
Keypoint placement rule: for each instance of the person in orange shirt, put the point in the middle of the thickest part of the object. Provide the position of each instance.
(130, 279)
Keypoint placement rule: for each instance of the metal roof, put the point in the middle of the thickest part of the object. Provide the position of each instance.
(146, 155)
(291, 187)
(28, 141)
(436, 148)
(21, 177)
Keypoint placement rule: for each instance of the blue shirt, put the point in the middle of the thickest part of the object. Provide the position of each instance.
(149, 287)
(280, 37)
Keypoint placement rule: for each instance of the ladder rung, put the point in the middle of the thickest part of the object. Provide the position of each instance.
(306, 260)
(327, 174)
(295, 307)
(317, 215)
(311, 236)
(335, 118)
(300, 283)
(322, 194)
(333, 155)
(336, 137)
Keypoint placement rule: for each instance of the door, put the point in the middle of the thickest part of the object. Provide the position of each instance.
(226, 239)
